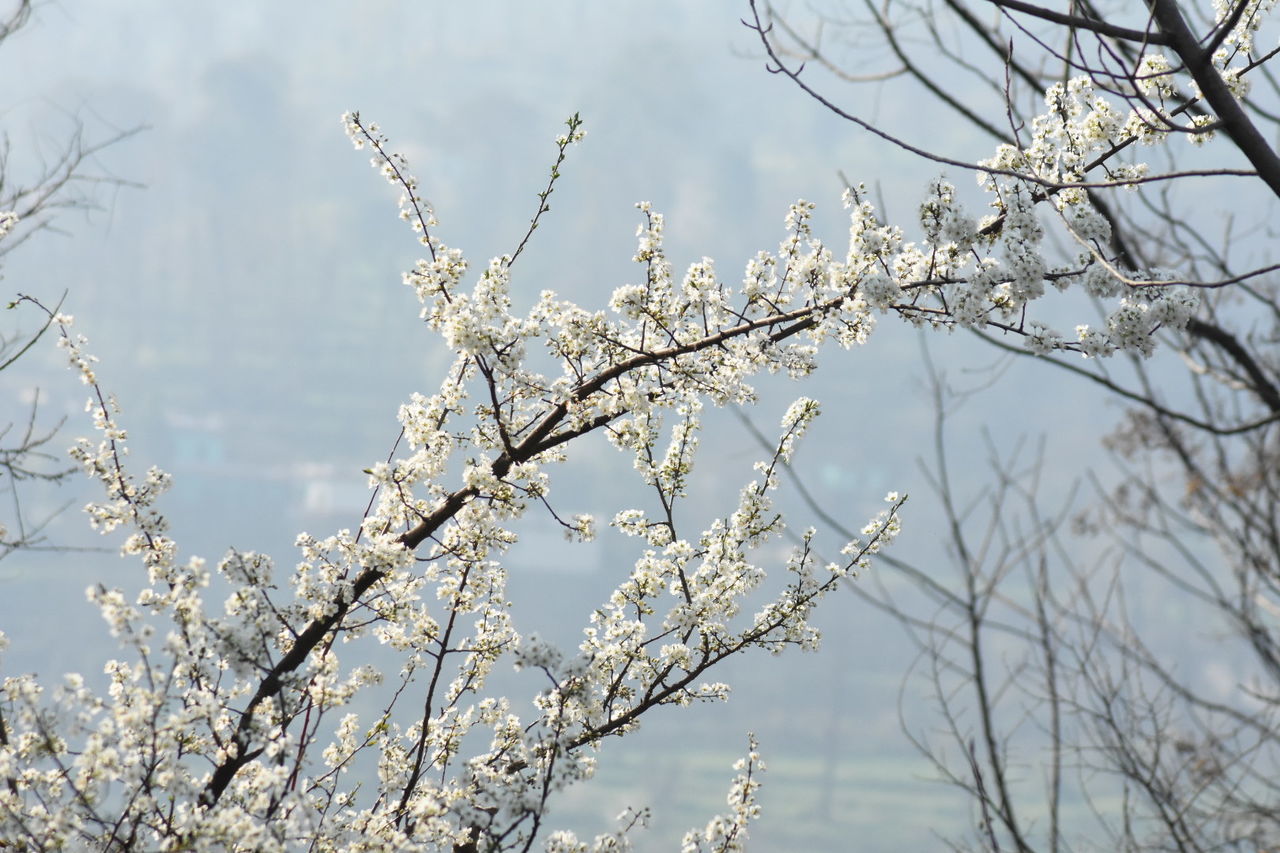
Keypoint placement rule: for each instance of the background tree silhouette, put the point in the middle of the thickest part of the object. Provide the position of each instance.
(1059, 669)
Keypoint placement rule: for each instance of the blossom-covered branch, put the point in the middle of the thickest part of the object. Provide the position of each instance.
(242, 726)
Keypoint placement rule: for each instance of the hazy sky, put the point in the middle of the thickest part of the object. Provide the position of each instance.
(246, 304)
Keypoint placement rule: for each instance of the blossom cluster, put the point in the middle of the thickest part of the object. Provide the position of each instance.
(257, 724)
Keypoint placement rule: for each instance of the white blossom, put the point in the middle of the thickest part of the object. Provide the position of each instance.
(238, 723)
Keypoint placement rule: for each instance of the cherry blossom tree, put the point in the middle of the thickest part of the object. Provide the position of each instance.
(258, 722)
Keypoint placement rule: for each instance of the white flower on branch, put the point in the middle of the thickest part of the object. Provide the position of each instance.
(241, 725)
